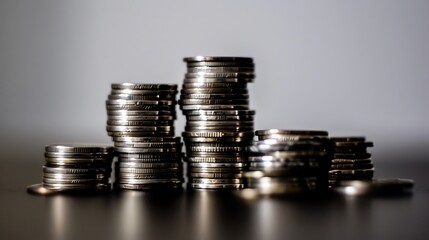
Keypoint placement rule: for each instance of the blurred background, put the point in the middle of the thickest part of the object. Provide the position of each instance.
(349, 67)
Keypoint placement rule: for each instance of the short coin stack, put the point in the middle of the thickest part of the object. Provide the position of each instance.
(351, 161)
(289, 162)
(141, 123)
(219, 125)
(77, 167)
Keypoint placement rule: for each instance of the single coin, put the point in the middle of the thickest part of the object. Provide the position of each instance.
(273, 146)
(148, 144)
(348, 139)
(214, 85)
(140, 113)
(64, 170)
(168, 155)
(142, 91)
(216, 159)
(146, 139)
(351, 155)
(135, 176)
(215, 186)
(139, 123)
(214, 91)
(220, 64)
(216, 170)
(150, 181)
(353, 144)
(140, 118)
(350, 161)
(374, 187)
(353, 166)
(78, 188)
(79, 148)
(295, 138)
(139, 102)
(123, 96)
(217, 69)
(220, 113)
(215, 175)
(351, 171)
(217, 59)
(66, 181)
(79, 156)
(217, 80)
(139, 128)
(39, 189)
(142, 134)
(213, 101)
(216, 149)
(291, 132)
(70, 176)
(214, 96)
(219, 128)
(148, 150)
(149, 165)
(218, 165)
(142, 86)
(353, 150)
(247, 140)
(149, 170)
(131, 107)
(218, 123)
(216, 134)
(221, 118)
(216, 180)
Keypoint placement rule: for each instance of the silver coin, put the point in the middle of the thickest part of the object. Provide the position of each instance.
(64, 170)
(216, 149)
(214, 91)
(220, 112)
(375, 187)
(280, 137)
(142, 92)
(215, 175)
(291, 132)
(213, 85)
(131, 176)
(213, 102)
(353, 166)
(215, 186)
(39, 189)
(221, 118)
(79, 156)
(352, 155)
(284, 164)
(140, 118)
(85, 186)
(139, 123)
(348, 139)
(350, 161)
(216, 134)
(149, 165)
(170, 97)
(149, 181)
(142, 134)
(148, 144)
(274, 146)
(216, 144)
(216, 180)
(217, 159)
(354, 144)
(219, 128)
(220, 75)
(216, 170)
(79, 148)
(147, 150)
(351, 171)
(217, 69)
(149, 170)
(70, 176)
(146, 139)
(140, 102)
(217, 59)
(220, 64)
(139, 128)
(200, 79)
(140, 113)
(218, 123)
(152, 186)
(218, 165)
(150, 160)
(142, 86)
(168, 155)
(214, 96)
(297, 154)
(218, 140)
(70, 181)
(131, 107)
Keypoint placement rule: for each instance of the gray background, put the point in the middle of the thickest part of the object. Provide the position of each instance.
(349, 67)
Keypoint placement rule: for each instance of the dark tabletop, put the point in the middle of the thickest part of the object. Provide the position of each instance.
(210, 214)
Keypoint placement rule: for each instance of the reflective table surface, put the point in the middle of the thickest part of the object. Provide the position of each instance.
(210, 214)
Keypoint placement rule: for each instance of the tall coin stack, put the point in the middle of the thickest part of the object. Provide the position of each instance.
(219, 125)
(77, 167)
(141, 123)
(351, 160)
(289, 162)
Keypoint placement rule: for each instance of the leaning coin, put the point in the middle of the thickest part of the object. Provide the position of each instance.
(39, 189)
(144, 86)
(375, 187)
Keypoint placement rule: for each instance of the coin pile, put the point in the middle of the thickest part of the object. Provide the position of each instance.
(351, 160)
(141, 123)
(71, 167)
(219, 125)
(289, 162)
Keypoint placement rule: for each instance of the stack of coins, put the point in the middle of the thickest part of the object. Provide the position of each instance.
(71, 167)
(289, 162)
(219, 125)
(141, 123)
(351, 160)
